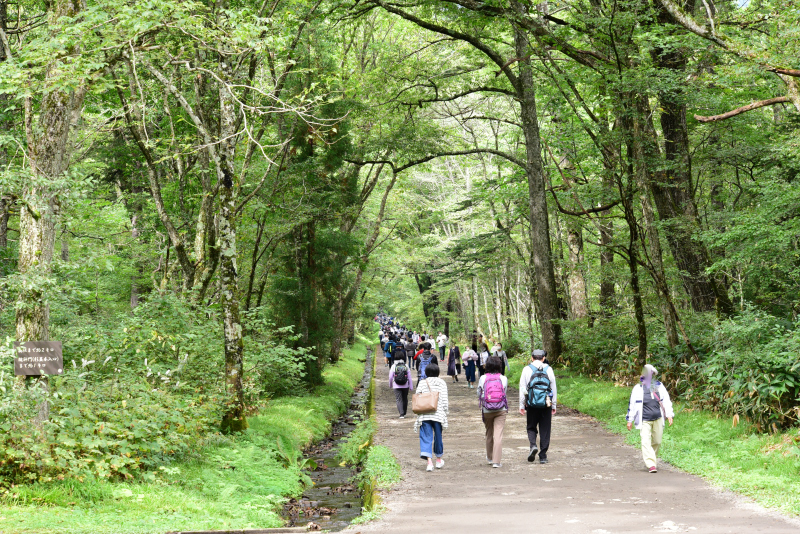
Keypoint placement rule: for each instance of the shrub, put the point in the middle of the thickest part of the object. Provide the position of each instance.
(752, 371)
(110, 430)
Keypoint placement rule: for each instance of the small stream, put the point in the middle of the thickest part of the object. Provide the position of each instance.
(333, 502)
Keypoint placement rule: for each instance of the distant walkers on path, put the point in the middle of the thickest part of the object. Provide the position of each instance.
(425, 359)
(492, 389)
(430, 425)
(498, 351)
(649, 406)
(442, 341)
(454, 363)
(401, 382)
(537, 401)
(470, 358)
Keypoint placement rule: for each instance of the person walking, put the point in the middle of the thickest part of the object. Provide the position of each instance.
(492, 389)
(424, 360)
(401, 382)
(442, 341)
(430, 425)
(411, 349)
(537, 401)
(649, 406)
(484, 356)
(497, 350)
(454, 363)
(470, 357)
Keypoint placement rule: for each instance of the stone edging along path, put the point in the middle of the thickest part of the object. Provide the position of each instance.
(594, 483)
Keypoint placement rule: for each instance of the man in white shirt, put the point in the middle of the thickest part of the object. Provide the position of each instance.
(539, 417)
(442, 341)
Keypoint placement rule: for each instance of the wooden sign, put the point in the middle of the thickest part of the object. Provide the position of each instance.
(35, 358)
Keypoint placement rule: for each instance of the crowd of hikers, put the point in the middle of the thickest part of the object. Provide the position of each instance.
(406, 350)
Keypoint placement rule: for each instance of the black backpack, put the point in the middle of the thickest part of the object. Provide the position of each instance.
(401, 374)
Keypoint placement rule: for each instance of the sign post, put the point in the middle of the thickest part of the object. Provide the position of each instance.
(37, 358)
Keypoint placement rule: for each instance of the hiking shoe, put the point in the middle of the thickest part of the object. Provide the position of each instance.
(430, 467)
(653, 469)
(542, 460)
(532, 454)
(439, 463)
(497, 465)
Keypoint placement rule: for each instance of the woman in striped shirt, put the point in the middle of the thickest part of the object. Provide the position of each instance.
(430, 425)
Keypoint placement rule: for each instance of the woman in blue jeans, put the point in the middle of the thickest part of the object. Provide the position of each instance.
(430, 425)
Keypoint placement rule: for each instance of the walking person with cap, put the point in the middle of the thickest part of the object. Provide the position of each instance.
(537, 401)
(649, 406)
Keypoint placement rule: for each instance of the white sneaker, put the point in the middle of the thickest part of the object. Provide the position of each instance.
(439, 463)
(497, 465)
(489, 461)
(402, 417)
(430, 466)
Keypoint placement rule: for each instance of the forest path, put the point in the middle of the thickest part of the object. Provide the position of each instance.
(594, 483)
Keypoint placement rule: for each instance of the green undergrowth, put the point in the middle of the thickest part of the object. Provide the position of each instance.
(380, 467)
(227, 483)
(762, 466)
(354, 448)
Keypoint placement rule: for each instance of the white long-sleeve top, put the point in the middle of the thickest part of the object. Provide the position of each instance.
(442, 408)
(527, 373)
(636, 404)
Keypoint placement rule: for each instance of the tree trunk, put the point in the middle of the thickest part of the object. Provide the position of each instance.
(673, 190)
(49, 151)
(498, 306)
(655, 256)
(607, 293)
(577, 282)
(507, 302)
(233, 418)
(5, 206)
(134, 302)
(537, 203)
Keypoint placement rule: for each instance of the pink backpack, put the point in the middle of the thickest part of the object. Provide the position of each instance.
(494, 397)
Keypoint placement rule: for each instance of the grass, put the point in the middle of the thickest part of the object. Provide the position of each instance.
(381, 467)
(761, 466)
(229, 483)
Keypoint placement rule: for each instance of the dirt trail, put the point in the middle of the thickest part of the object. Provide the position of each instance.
(594, 482)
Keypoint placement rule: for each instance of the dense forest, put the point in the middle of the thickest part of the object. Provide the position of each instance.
(206, 200)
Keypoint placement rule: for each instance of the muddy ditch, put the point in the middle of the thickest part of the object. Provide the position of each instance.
(333, 502)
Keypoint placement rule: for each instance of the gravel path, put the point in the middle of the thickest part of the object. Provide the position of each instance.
(594, 482)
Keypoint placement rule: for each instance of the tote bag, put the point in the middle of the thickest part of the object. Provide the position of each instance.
(425, 403)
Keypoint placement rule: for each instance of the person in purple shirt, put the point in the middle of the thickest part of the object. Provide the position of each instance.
(398, 369)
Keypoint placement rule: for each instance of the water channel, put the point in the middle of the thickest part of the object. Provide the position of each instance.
(332, 502)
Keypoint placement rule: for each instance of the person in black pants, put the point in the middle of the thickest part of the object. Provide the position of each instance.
(401, 390)
(539, 419)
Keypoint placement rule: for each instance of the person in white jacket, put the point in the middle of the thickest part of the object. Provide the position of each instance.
(649, 406)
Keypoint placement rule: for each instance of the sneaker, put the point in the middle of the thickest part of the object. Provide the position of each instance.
(489, 461)
(542, 460)
(497, 465)
(653, 469)
(532, 454)
(439, 463)
(430, 466)
(402, 417)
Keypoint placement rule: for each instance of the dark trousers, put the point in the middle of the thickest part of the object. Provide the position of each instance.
(401, 397)
(441, 352)
(539, 422)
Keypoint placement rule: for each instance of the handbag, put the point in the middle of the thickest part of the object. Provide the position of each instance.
(425, 403)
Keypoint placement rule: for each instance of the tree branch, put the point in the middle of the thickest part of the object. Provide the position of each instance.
(743, 109)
